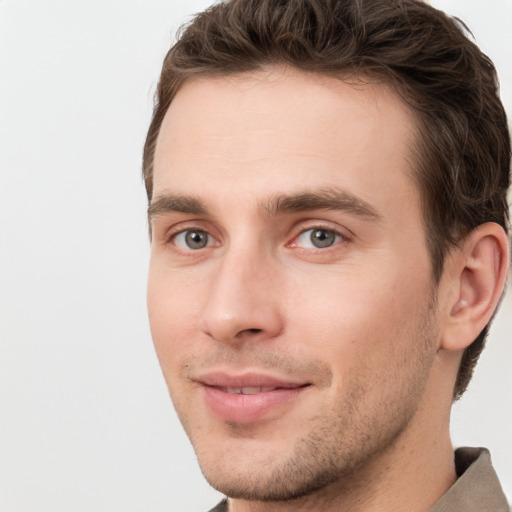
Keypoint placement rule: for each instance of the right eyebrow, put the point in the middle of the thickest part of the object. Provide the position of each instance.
(175, 203)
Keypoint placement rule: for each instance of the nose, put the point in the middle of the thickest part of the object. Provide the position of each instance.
(243, 300)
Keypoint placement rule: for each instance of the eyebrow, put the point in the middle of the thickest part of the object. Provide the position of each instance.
(176, 203)
(322, 199)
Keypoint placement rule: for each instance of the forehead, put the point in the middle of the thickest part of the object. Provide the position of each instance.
(277, 130)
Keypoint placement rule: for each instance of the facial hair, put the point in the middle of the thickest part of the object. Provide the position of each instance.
(343, 438)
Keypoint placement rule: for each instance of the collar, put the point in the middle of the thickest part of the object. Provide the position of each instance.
(477, 487)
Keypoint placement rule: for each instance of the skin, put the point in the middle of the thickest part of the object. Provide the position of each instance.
(360, 321)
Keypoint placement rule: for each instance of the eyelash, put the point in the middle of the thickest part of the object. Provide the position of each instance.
(184, 232)
(170, 236)
(339, 237)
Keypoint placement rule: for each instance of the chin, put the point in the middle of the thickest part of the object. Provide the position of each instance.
(308, 467)
(270, 487)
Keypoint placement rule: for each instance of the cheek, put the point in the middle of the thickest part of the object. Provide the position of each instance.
(173, 315)
(358, 319)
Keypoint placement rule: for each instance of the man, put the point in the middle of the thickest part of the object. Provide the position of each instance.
(327, 201)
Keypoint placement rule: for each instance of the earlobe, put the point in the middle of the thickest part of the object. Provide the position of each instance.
(478, 277)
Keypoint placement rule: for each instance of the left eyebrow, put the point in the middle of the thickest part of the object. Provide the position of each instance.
(323, 199)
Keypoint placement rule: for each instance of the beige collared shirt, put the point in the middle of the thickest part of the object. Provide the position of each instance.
(477, 489)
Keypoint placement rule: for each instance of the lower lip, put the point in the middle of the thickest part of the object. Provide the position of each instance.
(247, 408)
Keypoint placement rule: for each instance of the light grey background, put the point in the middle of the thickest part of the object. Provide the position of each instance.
(85, 420)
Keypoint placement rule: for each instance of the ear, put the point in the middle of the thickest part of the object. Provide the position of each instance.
(476, 277)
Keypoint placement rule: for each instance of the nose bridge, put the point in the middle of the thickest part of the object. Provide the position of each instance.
(242, 300)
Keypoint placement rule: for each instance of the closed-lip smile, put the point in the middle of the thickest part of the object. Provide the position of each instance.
(247, 397)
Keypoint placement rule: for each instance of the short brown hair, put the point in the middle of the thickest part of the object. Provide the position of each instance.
(463, 144)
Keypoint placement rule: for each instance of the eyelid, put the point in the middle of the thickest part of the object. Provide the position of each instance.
(343, 232)
(182, 245)
(181, 227)
(169, 234)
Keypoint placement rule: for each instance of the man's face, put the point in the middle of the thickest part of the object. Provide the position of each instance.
(290, 293)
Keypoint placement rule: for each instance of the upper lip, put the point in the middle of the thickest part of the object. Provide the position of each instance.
(245, 380)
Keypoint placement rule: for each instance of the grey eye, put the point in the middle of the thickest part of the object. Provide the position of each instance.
(318, 238)
(192, 239)
(196, 239)
(322, 238)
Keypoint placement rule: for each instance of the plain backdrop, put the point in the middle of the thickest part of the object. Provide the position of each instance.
(85, 420)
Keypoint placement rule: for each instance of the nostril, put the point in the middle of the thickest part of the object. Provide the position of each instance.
(244, 333)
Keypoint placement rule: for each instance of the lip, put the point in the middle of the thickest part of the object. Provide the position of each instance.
(248, 397)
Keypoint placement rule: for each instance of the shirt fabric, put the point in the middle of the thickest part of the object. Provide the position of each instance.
(477, 488)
